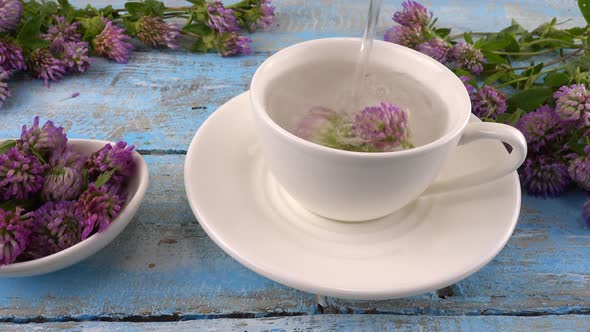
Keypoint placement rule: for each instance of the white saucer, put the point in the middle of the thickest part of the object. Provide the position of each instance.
(432, 243)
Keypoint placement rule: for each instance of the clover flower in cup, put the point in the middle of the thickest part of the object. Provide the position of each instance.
(314, 123)
(384, 126)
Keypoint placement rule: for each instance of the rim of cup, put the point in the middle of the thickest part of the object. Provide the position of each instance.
(260, 110)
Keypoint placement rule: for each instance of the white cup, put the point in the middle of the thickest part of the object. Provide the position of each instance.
(358, 186)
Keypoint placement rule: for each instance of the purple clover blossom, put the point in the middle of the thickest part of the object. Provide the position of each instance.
(413, 14)
(220, 18)
(117, 159)
(99, 206)
(488, 102)
(541, 128)
(15, 232)
(154, 32)
(544, 176)
(43, 65)
(330, 128)
(67, 158)
(586, 212)
(468, 57)
(10, 12)
(579, 170)
(75, 57)
(62, 184)
(470, 88)
(21, 175)
(11, 56)
(318, 119)
(4, 92)
(44, 140)
(65, 179)
(113, 43)
(410, 36)
(234, 44)
(57, 226)
(62, 32)
(266, 18)
(435, 48)
(573, 104)
(384, 126)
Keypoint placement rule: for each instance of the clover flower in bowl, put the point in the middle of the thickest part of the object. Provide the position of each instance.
(62, 200)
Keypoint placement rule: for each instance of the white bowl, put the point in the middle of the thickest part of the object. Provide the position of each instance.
(136, 188)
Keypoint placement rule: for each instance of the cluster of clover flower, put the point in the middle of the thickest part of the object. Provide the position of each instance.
(50, 40)
(381, 128)
(52, 197)
(556, 125)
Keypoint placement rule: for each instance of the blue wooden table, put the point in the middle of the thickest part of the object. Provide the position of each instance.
(164, 273)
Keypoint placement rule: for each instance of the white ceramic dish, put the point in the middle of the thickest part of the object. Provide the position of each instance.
(136, 189)
(431, 243)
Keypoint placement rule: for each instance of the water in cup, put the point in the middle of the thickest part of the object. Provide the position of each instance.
(355, 105)
(304, 89)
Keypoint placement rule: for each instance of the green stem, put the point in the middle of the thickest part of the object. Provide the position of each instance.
(520, 79)
(460, 35)
(545, 51)
(239, 5)
(538, 41)
(182, 8)
(556, 61)
(190, 34)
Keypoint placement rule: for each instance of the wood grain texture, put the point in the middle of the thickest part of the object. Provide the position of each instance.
(163, 266)
(332, 323)
(149, 102)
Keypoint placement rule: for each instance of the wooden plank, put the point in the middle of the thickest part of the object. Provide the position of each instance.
(163, 266)
(150, 108)
(340, 323)
(149, 102)
(543, 269)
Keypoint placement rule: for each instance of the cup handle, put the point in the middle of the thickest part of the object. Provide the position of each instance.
(486, 130)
